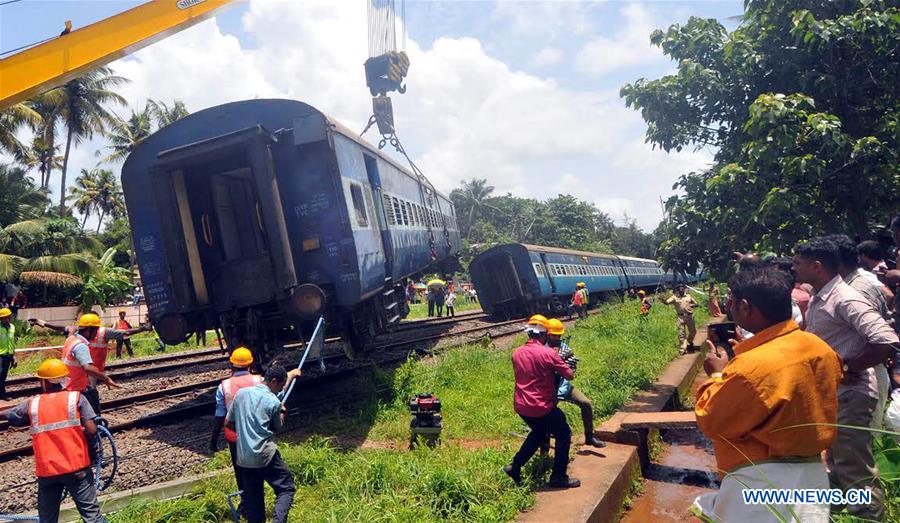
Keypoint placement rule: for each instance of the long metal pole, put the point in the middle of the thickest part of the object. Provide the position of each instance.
(319, 332)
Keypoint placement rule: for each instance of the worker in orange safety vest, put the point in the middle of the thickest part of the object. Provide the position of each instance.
(60, 422)
(122, 324)
(84, 373)
(97, 338)
(241, 359)
(580, 299)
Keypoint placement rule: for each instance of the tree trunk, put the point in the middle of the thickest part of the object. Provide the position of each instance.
(62, 184)
(471, 221)
(102, 214)
(84, 221)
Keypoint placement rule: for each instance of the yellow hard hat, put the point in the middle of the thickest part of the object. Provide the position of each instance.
(89, 320)
(538, 319)
(581, 284)
(51, 369)
(123, 311)
(5, 312)
(556, 327)
(241, 357)
(642, 293)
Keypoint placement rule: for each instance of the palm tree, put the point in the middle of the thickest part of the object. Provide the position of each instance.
(19, 198)
(97, 191)
(83, 194)
(109, 199)
(81, 108)
(47, 252)
(125, 135)
(45, 157)
(476, 191)
(163, 115)
(11, 120)
(45, 151)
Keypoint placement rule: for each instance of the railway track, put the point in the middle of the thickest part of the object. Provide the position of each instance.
(428, 322)
(163, 434)
(192, 399)
(122, 366)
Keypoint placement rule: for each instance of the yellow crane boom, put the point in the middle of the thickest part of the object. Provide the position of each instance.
(54, 63)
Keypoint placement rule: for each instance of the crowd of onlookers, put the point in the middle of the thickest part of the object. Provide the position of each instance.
(813, 366)
(440, 296)
(802, 357)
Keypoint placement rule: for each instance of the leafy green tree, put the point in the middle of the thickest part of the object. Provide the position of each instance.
(19, 198)
(81, 107)
(105, 286)
(117, 234)
(126, 135)
(568, 222)
(800, 102)
(630, 240)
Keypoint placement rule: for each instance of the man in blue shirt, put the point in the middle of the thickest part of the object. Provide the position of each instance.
(256, 413)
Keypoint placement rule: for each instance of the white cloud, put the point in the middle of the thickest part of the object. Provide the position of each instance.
(201, 66)
(547, 56)
(628, 47)
(466, 114)
(551, 18)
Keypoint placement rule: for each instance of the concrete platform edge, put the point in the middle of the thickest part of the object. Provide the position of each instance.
(116, 501)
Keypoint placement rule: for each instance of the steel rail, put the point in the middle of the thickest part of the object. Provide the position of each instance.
(202, 407)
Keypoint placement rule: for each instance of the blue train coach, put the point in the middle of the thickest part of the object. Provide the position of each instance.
(517, 279)
(257, 216)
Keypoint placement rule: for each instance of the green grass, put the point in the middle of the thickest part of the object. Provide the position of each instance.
(420, 310)
(461, 480)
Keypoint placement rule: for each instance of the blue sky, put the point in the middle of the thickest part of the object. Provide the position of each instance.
(524, 94)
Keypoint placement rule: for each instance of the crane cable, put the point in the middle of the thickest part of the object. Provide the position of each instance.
(394, 140)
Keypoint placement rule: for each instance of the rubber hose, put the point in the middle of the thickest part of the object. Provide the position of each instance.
(103, 432)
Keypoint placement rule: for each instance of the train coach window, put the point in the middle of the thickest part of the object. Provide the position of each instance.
(359, 205)
(404, 208)
(538, 269)
(398, 215)
(389, 209)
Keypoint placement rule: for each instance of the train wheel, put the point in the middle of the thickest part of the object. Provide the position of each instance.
(363, 329)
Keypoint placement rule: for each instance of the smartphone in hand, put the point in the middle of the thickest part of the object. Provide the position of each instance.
(720, 333)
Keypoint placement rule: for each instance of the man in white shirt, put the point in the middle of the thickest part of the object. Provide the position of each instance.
(845, 320)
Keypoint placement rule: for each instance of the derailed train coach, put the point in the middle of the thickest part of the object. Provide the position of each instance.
(517, 279)
(256, 217)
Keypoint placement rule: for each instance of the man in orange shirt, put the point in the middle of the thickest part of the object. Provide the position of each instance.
(771, 410)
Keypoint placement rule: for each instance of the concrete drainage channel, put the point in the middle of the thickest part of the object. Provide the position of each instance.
(608, 475)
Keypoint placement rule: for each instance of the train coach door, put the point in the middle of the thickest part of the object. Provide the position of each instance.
(378, 200)
(547, 272)
(229, 190)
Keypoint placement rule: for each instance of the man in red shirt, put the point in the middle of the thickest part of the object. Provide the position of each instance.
(536, 367)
